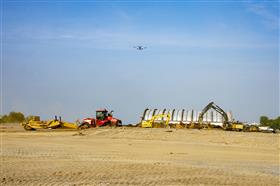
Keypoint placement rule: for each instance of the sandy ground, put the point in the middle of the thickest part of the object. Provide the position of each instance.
(135, 156)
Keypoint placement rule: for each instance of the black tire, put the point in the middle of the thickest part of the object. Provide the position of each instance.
(120, 123)
(84, 126)
(27, 127)
(114, 125)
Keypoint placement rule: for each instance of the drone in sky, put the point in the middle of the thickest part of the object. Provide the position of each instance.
(140, 47)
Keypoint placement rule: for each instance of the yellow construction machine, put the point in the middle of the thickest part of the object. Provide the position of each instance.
(200, 124)
(35, 123)
(251, 128)
(237, 127)
(157, 121)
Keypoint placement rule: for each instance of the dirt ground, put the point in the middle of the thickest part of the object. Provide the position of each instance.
(135, 156)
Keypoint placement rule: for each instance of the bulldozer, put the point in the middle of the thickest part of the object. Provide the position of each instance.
(237, 126)
(35, 123)
(103, 118)
(155, 123)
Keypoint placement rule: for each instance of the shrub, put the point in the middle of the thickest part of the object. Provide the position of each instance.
(13, 117)
(273, 123)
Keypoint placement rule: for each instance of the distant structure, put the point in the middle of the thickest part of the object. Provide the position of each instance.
(140, 47)
(187, 116)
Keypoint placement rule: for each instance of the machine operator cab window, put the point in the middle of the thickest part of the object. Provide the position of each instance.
(101, 114)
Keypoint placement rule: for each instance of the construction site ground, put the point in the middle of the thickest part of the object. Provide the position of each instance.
(137, 156)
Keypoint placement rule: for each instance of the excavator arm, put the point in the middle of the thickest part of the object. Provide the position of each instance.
(216, 108)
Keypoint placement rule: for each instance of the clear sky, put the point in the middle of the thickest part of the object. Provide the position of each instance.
(70, 58)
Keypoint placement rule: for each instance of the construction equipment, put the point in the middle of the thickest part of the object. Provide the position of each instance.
(226, 123)
(183, 118)
(103, 118)
(250, 128)
(156, 121)
(35, 123)
(237, 126)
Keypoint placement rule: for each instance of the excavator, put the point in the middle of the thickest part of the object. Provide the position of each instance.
(226, 124)
(151, 123)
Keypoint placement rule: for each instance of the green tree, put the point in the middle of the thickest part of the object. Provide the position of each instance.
(264, 120)
(16, 117)
(4, 119)
(273, 123)
(12, 117)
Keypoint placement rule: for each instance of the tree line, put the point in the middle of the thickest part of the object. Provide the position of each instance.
(12, 117)
(273, 123)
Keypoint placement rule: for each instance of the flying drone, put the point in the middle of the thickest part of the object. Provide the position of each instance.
(140, 47)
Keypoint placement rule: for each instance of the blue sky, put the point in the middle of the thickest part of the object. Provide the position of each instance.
(69, 58)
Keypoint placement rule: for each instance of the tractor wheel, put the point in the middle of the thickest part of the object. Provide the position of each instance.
(84, 126)
(119, 123)
(115, 125)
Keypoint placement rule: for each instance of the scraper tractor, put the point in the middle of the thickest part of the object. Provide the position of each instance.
(35, 123)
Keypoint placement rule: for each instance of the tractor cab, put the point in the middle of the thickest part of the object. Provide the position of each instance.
(101, 114)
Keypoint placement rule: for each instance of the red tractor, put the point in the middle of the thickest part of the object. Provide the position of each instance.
(103, 118)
